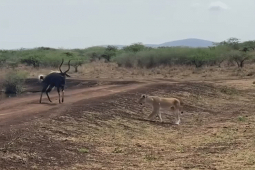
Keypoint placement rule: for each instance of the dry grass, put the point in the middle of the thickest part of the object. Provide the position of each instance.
(208, 138)
(100, 69)
(111, 70)
(216, 132)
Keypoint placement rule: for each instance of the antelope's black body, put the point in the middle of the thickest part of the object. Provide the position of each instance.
(54, 79)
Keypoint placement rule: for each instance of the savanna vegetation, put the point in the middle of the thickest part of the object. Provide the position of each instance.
(135, 55)
(101, 125)
(231, 52)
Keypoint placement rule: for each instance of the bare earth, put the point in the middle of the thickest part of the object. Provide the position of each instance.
(101, 126)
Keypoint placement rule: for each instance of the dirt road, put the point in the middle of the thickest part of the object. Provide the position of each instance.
(19, 109)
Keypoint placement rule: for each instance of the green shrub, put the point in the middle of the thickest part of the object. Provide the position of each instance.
(52, 59)
(83, 150)
(125, 60)
(33, 60)
(201, 57)
(76, 63)
(2, 60)
(134, 55)
(241, 118)
(136, 47)
(14, 82)
(165, 56)
(109, 52)
(238, 57)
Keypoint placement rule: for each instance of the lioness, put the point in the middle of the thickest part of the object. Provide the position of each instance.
(156, 102)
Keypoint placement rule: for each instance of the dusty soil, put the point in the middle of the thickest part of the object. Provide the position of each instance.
(27, 105)
(101, 126)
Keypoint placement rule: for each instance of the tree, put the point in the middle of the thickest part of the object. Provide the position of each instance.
(244, 49)
(76, 63)
(238, 57)
(95, 56)
(232, 42)
(76, 60)
(3, 59)
(4, 55)
(68, 54)
(212, 47)
(33, 60)
(250, 45)
(109, 52)
(201, 57)
(134, 47)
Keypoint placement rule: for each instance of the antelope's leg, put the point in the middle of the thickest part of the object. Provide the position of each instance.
(49, 90)
(45, 86)
(58, 95)
(63, 93)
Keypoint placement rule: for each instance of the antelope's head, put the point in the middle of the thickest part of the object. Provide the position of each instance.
(65, 73)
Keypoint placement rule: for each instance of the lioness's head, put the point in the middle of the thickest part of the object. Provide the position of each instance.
(142, 99)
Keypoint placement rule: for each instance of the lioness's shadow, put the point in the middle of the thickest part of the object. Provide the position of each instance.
(164, 124)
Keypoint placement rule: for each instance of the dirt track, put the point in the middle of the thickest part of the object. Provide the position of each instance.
(19, 109)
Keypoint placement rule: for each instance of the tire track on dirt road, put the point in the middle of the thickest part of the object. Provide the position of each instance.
(22, 109)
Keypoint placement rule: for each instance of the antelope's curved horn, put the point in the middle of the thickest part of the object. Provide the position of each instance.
(61, 65)
(68, 66)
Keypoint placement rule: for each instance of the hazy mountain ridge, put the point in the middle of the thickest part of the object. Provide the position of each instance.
(190, 42)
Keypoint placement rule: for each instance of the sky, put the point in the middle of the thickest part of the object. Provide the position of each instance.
(86, 23)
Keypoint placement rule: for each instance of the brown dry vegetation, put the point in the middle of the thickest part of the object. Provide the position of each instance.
(100, 69)
(112, 132)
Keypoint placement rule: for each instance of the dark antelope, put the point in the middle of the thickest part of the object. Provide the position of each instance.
(54, 79)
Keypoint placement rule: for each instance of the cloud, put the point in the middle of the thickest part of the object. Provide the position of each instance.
(218, 6)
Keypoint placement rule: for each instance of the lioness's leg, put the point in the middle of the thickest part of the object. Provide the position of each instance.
(155, 112)
(159, 115)
(177, 112)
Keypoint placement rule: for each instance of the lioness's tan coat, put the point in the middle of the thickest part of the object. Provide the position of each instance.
(156, 102)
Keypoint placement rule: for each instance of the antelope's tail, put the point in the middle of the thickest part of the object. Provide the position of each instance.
(41, 77)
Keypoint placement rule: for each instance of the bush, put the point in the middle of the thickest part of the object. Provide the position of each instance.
(109, 52)
(125, 60)
(164, 56)
(3, 60)
(134, 55)
(33, 60)
(134, 48)
(52, 59)
(14, 82)
(76, 63)
(201, 57)
(238, 57)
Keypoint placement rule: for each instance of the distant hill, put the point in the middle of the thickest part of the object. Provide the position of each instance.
(190, 42)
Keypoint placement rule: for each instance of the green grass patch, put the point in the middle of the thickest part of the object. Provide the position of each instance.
(83, 150)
